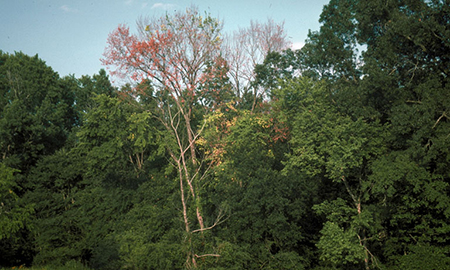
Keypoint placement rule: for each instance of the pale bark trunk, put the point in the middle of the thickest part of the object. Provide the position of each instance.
(362, 240)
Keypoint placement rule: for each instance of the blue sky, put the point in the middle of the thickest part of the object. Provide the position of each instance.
(71, 35)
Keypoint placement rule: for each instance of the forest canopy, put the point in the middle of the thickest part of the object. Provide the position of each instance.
(233, 151)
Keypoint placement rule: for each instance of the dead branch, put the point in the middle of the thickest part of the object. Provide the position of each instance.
(217, 222)
(390, 73)
(439, 119)
(207, 255)
(414, 101)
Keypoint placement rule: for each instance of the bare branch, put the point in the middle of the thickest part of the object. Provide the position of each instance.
(217, 222)
(248, 47)
(207, 255)
(439, 119)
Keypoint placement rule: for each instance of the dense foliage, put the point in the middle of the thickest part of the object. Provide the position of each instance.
(342, 163)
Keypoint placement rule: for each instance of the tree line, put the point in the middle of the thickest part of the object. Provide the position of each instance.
(233, 151)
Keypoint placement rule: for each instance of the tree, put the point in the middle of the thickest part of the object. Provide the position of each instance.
(36, 110)
(174, 52)
(116, 136)
(148, 235)
(407, 63)
(37, 115)
(333, 51)
(13, 215)
(417, 206)
(89, 86)
(83, 192)
(248, 47)
(402, 82)
(57, 232)
(264, 228)
(278, 67)
(335, 147)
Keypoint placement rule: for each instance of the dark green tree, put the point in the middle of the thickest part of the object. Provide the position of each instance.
(15, 217)
(407, 62)
(263, 208)
(55, 182)
(329, 147)
(37, 110)
(89, 87)
(82, 193)
(401, 80)
(277, 66)
(36, 117)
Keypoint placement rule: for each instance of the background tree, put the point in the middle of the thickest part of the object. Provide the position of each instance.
(264, 229)
(338, 149)
(245, 49)
(401, 82)
(83, 193)
(13, 215)
(36, 117)
(408, 51)
(90, 86)
(37, 110)
(57, 233)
